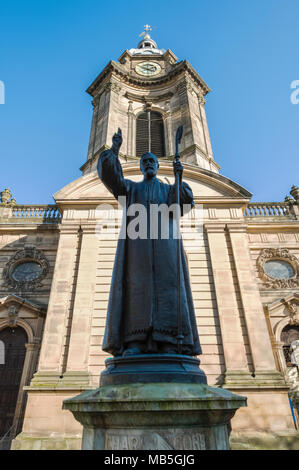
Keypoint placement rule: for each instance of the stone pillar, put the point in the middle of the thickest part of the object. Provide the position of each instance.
(78, 352)
(229, 315)
(258, 334)
(51, 361)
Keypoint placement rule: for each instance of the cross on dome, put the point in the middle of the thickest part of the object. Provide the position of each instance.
(145, 33)
(147, 42)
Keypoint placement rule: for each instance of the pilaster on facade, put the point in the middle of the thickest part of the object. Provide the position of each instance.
(131, 133)
(229, 317)
(264, 367)
(204, 123)
(78, 352)
(92, 138)
(264, 373)
(60, 303)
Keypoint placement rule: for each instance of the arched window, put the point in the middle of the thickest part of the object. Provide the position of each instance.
(150, 134)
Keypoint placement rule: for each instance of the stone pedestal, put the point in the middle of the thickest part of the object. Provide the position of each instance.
(152, 368)
(155, 416)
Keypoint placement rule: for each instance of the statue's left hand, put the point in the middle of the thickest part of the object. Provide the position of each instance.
(117, 140)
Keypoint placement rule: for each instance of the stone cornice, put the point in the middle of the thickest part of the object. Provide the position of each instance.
(11, 226)
(168, 56)
(92, 203)
(127, 77)
(270, 225)
(214, 227)
(69, 227)
(148, 98)
(236, 227)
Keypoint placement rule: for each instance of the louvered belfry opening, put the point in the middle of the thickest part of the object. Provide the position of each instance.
(150, 134)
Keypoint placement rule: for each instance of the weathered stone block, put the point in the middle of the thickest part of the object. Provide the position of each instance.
(156, 416)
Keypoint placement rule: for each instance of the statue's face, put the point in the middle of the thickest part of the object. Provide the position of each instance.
(149, 165)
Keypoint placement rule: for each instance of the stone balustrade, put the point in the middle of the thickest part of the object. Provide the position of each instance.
(31, 213)
(269, 210)
(49, 213)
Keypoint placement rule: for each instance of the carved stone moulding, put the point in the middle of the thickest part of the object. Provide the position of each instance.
(148, 98)
(293, 309)
(17, 273)
(278, 254)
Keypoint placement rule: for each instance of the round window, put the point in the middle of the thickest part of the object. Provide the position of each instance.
(279, 269)
(28, 271)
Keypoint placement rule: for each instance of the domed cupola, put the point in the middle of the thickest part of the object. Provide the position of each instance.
(147, 41)
(147, 45)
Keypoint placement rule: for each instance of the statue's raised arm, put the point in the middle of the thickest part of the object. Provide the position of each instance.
(117, 140)
(110, 170)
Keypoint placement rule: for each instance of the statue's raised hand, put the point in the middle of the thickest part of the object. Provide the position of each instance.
(117, 140)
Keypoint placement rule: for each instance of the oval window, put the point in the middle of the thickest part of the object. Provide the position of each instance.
(279, 269)
(28, 271)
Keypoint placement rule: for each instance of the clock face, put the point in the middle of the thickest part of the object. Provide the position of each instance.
(148, 69)
(28, 271)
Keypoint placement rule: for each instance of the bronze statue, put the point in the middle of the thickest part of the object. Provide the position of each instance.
(142, 310)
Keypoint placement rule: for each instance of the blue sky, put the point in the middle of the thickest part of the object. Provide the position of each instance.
(247, 52)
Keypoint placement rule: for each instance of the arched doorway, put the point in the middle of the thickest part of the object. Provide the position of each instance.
(14, 340)
(289, 333)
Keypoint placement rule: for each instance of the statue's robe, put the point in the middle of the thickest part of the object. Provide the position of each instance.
(144, 289)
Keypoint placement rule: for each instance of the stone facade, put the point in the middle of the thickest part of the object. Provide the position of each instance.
(240, 315)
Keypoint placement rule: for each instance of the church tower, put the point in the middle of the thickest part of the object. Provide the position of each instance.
(149, 93)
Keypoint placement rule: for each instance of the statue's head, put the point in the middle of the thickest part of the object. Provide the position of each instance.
(149, 164)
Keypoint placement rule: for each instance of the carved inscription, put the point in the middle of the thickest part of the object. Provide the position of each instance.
(161, 440)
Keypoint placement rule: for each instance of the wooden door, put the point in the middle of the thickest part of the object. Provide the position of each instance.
(14, 340)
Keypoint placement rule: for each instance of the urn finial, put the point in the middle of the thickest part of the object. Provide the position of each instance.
(5, 196)
(295, 193)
